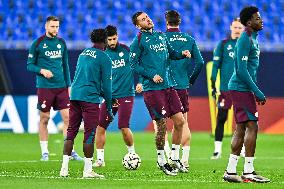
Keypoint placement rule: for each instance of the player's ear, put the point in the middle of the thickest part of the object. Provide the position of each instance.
(138, 27)
(249, 23)
(45, 26)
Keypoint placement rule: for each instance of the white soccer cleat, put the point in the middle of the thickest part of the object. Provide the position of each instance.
(232, 177)
(254, 177)
(216, 155)
(178, 166)
(44, 157)
(99, 163)
(92, 174)
(64, 172)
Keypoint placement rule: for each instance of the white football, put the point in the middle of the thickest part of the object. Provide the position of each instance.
(131, 161)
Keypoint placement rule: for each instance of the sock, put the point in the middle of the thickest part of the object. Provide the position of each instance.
(232, 165)
(101, 154)
(218, 147)
(65, 161)
(243, 152)
(161, 157)
(185, 153)
(43, 146)
(175, 152)
(131, 149)
(167, 149)
(248, 167)
(88, 165)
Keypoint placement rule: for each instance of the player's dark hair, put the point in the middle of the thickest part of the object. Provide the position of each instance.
(110, 30)
(98, 36)
(173, 18)
(52, 18)
(246, 14)
(134, 17)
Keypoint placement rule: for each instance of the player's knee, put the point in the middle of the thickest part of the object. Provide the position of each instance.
(44, 118)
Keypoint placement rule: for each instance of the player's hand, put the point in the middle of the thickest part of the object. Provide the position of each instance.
(260, 98)
(213, 92)
(110, 115)
(46, 73)
(139, 88)
(260, 102)
(186, 53)
(115, 103)
(157, 79)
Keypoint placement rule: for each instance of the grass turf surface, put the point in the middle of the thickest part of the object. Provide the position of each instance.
(20, 166)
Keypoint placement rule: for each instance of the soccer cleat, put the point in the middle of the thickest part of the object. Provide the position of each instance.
(216, 155)
(44, 157)
(232, 177)
(99, 163)
(179, 165)
(92, 174)
(185, 164)
(254, 177)
(167, 169)
(63, 172)
(75, 156)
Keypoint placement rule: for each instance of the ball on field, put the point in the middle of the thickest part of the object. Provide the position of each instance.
(131, 161)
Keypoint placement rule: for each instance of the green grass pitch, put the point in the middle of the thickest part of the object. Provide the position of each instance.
(20, 166)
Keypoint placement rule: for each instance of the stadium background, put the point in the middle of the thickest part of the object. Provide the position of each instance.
(207, 21)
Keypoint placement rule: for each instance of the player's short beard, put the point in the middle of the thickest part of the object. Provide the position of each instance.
(51, 34)
(112, 47)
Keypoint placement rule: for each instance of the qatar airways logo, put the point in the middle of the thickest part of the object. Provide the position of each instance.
(178, 38)
(53, 54)
(158, 47)
(118, 63)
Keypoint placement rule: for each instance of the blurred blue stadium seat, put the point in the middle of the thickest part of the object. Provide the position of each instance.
(206, 20)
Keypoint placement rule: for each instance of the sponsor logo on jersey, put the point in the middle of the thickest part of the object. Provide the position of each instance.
(127, 100)
(118, 63)
(158, 47)
(229, 47)
(31, 55)
(90, 53)
(178, 38)
(147, 39)
(161, 38)
(245, 58)
(216, 58)
(53, 54)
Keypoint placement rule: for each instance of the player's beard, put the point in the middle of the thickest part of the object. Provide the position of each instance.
(112, 46)
(51, 34)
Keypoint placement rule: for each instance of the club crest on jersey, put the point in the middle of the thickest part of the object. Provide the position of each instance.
(231, 54)
(44, 46)
(58, 46)
(121, 54)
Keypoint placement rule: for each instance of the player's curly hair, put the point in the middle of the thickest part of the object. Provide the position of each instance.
(173, 18)
(98, 36)
(246, 14)
(134, 17)
(110, 30)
